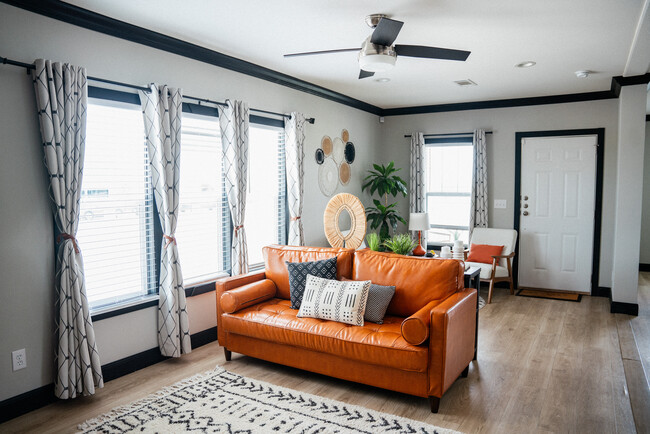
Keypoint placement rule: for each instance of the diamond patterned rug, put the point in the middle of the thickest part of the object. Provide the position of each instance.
(222, 402)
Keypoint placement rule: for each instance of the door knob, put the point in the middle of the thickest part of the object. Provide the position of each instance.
(525, 212)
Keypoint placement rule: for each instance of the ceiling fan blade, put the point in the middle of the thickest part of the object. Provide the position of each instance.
(431, 52)
(386, 32)
(309, 53)
(365, 74)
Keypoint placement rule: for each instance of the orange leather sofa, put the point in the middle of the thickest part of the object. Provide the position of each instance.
(425, 343)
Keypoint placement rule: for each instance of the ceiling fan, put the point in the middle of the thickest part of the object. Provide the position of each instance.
(377, 53)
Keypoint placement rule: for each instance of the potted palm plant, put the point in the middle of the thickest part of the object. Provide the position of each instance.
(384, 181)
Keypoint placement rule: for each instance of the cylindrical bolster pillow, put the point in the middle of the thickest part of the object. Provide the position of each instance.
(247, 295)
(415, 329)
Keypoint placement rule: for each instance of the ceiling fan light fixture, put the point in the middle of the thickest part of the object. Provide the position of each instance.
(376, 58)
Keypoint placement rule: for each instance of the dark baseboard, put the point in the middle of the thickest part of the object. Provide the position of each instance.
(644, 267)
(205, 337)
(127, 365)
(26, 402)
(626, 308)
(37, 398)
(602, 291)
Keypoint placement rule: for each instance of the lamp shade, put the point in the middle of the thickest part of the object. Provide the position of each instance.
(419, 221)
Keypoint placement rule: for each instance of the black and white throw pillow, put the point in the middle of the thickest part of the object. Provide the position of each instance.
(335, 300)
(298, 272)
(379, 298)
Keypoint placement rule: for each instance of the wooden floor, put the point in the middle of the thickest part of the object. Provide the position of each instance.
(543, 366)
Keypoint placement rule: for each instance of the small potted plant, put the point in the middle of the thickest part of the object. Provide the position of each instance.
(401, 244)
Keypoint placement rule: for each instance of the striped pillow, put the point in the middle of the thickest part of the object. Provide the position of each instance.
(334, 300)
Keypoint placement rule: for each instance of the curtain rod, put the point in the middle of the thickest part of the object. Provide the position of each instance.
(30, 66)
(448, 135)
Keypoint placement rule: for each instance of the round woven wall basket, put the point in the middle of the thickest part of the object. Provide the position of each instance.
(350, 203)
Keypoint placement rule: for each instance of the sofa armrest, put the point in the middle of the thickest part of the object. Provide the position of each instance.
(227, 284)
(247, 295)
(415, 329)
(451, 344)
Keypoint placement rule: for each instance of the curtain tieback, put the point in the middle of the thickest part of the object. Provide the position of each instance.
(293, 219)
(237, 228)
(169, 240)
(65, 236)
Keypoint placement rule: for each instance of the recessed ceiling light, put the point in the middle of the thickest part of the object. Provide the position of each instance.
(583, 73)
(382, 80)
(526, 64)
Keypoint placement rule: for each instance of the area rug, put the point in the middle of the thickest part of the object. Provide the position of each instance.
(553, 295)
(222, 402)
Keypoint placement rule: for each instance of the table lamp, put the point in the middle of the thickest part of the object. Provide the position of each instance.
(419, 221)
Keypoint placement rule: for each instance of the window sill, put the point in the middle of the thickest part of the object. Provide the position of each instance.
(124, 307)
(202, 287)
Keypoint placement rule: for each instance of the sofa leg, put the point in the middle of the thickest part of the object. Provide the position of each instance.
(228, 354)
(465, 372)
(434, 401)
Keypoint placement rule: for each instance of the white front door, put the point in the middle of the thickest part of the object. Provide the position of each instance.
(558, 192)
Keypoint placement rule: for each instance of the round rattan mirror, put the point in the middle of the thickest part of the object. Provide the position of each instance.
(353, 206)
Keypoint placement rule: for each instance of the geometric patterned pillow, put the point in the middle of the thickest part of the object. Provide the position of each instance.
(379, 298)
(298, 272)
(335, 300)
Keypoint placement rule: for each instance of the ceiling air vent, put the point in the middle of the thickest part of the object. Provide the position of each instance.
(467, 82)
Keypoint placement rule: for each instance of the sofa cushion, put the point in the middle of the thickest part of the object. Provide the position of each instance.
(276, 257)
(334, 300)
(383, 345)
(298, 272)
(417, 280)
(379, 297)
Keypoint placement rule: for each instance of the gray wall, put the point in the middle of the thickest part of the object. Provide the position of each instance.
(27, 248)
(501, 150)
(645, 216)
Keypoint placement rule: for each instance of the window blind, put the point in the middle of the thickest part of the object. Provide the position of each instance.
(116, 207)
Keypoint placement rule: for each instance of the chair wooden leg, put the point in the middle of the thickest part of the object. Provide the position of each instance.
(434, 401)
(228, 354)
(512, 286)
(489, 300)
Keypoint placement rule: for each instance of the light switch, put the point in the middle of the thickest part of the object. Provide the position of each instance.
(500, 204)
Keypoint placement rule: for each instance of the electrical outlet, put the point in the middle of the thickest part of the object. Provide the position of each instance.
(19, 359)
(500, 203)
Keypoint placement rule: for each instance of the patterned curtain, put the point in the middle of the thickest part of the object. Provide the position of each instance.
(478, 217)
(417, 193)
(294, 129)
(233, 121)
(61, 99)
(162, 108)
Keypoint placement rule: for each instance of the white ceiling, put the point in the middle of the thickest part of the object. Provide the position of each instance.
(562, 36)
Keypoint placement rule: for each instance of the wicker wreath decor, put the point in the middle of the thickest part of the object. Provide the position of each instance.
(350, 203)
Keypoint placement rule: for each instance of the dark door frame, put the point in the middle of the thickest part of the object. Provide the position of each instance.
(598, 206)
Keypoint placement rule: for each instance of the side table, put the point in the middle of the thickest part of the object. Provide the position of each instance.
(472, 280)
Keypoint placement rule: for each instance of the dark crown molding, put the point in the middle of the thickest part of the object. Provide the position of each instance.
(500, 103)
(100, 23)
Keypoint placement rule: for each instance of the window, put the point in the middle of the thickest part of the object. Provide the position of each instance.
(119, 230)
(266, 197)
(449, 185)
(204, 219)
(116, 208)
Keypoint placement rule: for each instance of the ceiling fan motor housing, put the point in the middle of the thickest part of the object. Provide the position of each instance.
(376, 58)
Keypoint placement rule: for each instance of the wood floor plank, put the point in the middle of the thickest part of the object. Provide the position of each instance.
(543, 366)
